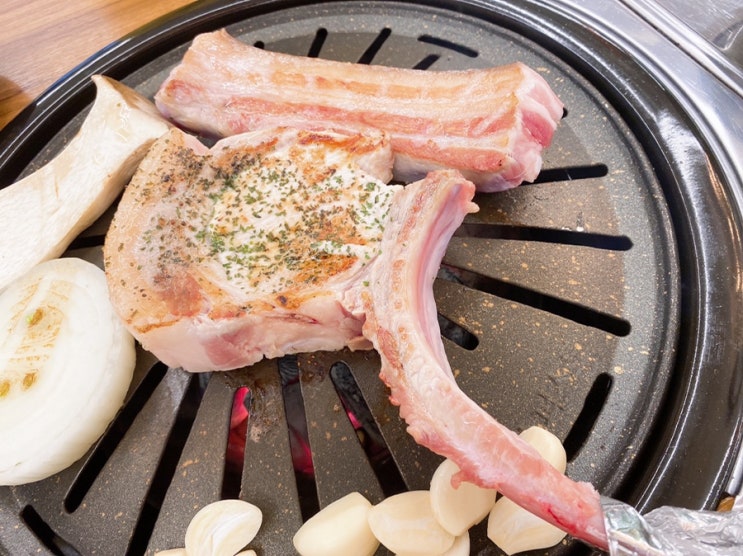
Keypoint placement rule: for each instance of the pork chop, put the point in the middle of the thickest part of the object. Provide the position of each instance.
(490, 124)
(219, 257)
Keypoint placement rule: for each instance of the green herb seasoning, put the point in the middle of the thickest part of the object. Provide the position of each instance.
(269, 220)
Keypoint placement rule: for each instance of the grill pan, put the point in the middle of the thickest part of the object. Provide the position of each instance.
(598, 302)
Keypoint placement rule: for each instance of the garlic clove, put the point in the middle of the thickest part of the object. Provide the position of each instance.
(458, 508)
(513, 529)
(222, 528)
(548, 445)
(461, 546)
(339, 529)
(405, 524)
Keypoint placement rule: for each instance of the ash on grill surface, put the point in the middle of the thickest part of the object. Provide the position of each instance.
(581, 302)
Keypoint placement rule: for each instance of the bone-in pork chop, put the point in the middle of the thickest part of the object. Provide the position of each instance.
(490, 124)
(277, 242)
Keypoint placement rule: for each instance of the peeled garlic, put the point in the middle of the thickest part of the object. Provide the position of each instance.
(548, 446)
(513, 529)
(461, 546)
(405, 524)
(66, 362)
(339, 529)
(458, 509)
(222, 528)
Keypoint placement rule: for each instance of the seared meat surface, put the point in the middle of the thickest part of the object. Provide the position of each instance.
(219, 257)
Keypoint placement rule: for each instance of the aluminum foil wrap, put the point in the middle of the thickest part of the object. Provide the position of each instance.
(669, 531)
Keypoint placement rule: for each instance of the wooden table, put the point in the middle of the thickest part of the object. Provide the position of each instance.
(40, 40)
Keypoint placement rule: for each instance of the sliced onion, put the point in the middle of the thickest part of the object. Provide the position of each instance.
(66, 362)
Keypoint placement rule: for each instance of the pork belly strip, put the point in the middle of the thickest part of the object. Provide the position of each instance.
(219, 257)
(490, 124)
(401, 323)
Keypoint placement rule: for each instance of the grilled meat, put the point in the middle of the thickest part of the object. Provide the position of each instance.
(278, 242)
(401, 322)
(219, 257)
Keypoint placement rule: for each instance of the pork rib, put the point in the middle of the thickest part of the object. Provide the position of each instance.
(401, 323)
(490, 124)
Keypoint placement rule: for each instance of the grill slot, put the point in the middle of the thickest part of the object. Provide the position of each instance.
(594, 403)
(317, 43)
(368, 56)
(457, 334)
(427, 62)
(108, 443)
(236, 440)
(46, 535)
(299, 441)
(367, 431)
(527, 233)
(449, 45)
(572, 173)
(167, 465)
(554, 305)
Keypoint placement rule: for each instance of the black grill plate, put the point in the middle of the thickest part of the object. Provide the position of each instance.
(595, 302)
